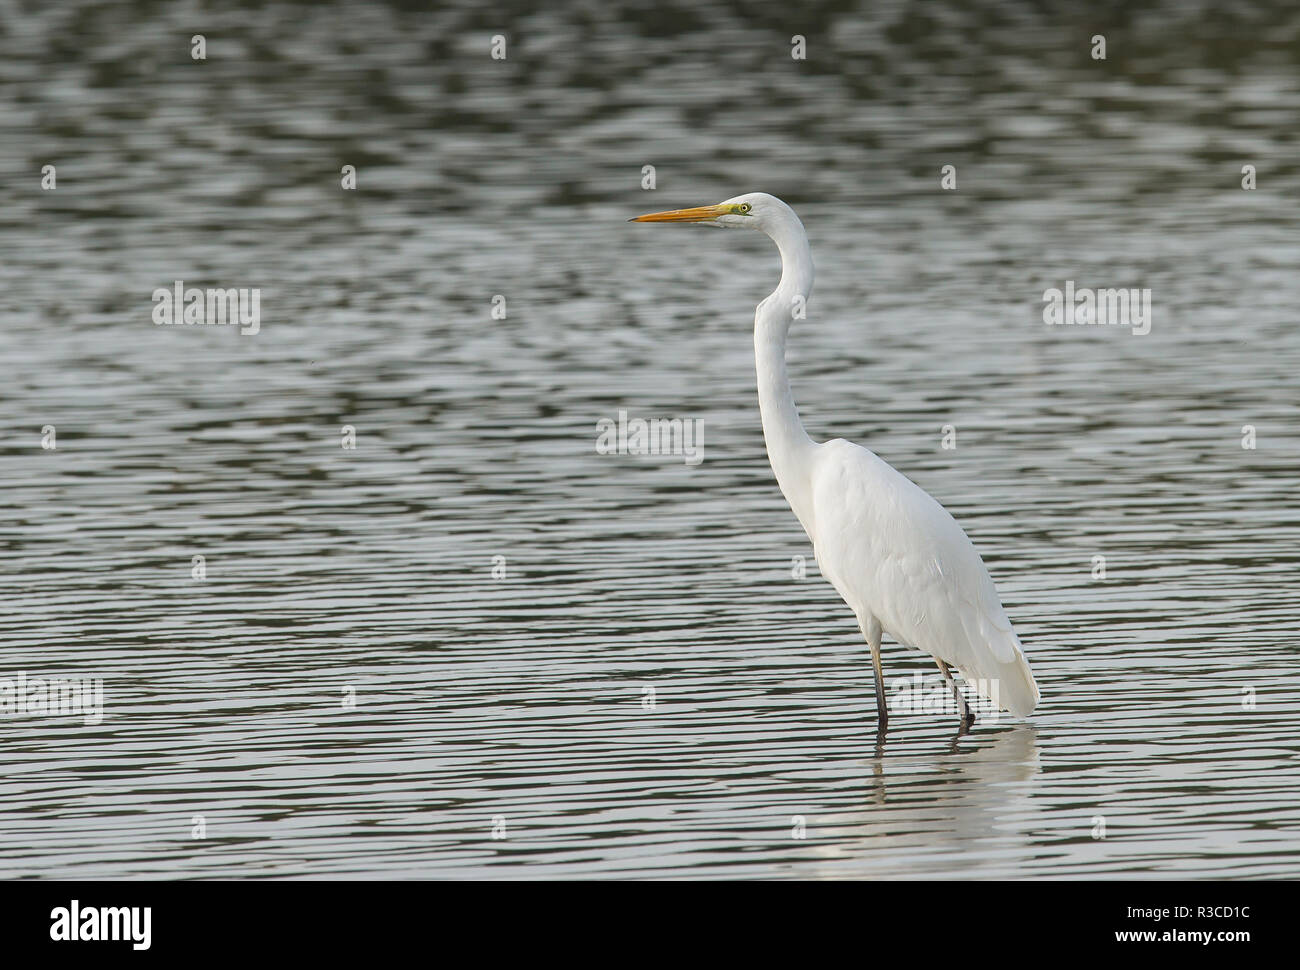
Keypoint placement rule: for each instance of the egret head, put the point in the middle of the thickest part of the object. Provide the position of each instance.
(751, 211)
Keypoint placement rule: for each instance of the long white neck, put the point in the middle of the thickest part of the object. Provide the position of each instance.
(789, 448)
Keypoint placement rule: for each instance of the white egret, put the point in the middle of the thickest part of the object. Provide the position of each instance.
(895, 554)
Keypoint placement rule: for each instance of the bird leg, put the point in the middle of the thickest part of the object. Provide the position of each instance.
(872, 630)
(967, 715)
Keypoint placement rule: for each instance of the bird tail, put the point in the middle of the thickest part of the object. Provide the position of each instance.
(1010, 685)
(1017, 689)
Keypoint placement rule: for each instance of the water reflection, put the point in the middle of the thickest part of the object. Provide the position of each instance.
(959, 811)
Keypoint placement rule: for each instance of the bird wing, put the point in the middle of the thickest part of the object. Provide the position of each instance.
(895, 553)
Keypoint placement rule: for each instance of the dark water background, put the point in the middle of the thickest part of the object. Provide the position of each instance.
(367, 573)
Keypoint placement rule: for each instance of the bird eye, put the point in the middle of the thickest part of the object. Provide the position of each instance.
(745, 207)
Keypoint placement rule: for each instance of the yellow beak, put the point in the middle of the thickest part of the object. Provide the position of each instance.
(701, 213)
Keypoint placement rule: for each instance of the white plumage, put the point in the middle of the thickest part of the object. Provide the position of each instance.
(895, 553)
(897, 557)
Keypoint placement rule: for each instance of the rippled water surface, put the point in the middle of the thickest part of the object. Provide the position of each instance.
(647, 691)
